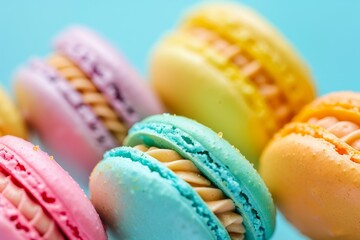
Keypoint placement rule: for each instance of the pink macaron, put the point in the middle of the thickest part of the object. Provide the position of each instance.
(83, 98)
(39, 200)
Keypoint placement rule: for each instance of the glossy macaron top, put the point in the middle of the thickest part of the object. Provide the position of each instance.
(311, 167)
(11, 122)
(218, 161)
(54, 193)
(227, 68)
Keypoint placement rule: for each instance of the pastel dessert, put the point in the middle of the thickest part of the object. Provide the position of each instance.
(227, 68)
(177, 179)
(39, 200)
(312, 168)
(82, 99)
(11, 122)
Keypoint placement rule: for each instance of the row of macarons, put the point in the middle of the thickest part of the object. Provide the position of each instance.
(228, 69)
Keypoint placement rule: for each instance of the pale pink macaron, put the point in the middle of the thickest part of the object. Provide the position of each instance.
(39, 200)
(83, 98)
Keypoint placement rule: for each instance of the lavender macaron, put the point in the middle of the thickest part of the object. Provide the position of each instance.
(82, 99)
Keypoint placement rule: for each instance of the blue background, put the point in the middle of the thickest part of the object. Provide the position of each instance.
(326, 33)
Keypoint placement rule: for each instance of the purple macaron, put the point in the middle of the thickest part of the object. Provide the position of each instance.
(83, 98)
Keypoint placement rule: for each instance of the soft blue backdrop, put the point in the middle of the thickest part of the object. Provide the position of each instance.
(326, 33)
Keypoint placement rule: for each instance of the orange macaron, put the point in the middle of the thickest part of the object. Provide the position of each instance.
(312, 168)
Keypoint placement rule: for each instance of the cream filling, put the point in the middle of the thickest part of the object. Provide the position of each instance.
(91, 96)
(347, 131)
(221, 206)
(249, 68)
(32, 211)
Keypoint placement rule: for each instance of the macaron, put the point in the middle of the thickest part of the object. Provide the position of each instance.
(227, 68)
(177, 179)
(39, 200)
(11, 122)
(312, 168)
(82, 99)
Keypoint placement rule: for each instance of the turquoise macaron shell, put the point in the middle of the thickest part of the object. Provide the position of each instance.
(138, 198)
(218, 161)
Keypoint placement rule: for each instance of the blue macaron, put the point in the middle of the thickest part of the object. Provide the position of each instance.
(177, 179)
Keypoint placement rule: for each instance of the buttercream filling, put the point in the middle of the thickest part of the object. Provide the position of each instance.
(347, 131)
(102, 76)
(219, 204)
(73, 98)
(90, 95)
(249, 68)
(31, 210)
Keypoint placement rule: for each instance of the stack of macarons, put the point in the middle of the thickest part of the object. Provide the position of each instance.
(231, 81)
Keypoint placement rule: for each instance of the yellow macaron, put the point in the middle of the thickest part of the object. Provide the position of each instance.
(312, 168)
(11, 122)
(227, 68)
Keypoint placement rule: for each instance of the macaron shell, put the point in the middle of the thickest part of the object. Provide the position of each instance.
(59, 124)
(52, 187)
(315, 187)
(146, 206)
(13, 225)
(10, 118)
(273, 51)
(342, 105)
(116, 70)
(192, 140)
(199, 91)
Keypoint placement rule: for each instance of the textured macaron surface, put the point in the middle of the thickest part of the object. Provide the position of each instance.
(311, 168)
(39, 184)
(218, 161)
